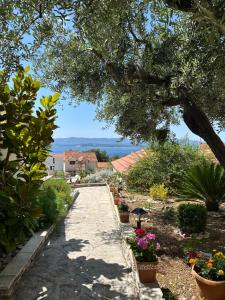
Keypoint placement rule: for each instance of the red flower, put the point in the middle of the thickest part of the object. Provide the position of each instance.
(140, 231)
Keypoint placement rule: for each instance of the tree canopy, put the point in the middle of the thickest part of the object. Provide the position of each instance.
(146, 64)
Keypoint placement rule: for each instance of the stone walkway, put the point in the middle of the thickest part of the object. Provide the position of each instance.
(83, 259)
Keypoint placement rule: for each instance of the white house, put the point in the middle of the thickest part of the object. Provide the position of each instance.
(54, 162)
(72, 162)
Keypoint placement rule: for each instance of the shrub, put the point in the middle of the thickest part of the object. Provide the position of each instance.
(122, 206)
(158, 191)
(54, 199)
(192, 218)
(205, 181)
(101, 176)
(165, 163)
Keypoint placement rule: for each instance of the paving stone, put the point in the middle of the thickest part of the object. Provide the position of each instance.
(84, 258)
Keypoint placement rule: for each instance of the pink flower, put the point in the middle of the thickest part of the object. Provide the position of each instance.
(142, 243)
(150, 236)
(157, 246)
(140, 231)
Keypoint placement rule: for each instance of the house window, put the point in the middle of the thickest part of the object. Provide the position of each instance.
(50, 168)
(72, 162)
(53, 160)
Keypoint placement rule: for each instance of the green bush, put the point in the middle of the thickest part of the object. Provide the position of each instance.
(165, 164)
(54, 199)
(192, 218)
(205, 181)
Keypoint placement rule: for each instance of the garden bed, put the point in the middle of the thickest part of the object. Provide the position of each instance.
(175, 276)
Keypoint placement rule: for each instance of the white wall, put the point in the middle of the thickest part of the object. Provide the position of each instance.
(54, 164)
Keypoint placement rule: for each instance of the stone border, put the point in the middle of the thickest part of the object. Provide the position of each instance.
(80, 185)
(150, 291)
(12, 273)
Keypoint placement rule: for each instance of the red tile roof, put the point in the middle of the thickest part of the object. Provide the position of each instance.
(76, 155)
(59, 155)
(124, 163)
(104, 165)
(207, 152)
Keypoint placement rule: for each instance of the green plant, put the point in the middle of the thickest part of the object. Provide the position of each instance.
(54, 199)
(25, 136)
(158, 191)
(164, 164)
(122, 206)
(148, 205)
(205, 181)
(144, 245)
(213, 268)
(192, 218)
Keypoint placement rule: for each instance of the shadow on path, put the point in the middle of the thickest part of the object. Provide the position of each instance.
(56, 276)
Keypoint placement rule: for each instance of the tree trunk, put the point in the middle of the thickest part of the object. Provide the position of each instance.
(199, 124)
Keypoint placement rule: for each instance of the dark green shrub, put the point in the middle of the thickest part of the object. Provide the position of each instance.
(165, 164)
(205, 181)
(192, 218)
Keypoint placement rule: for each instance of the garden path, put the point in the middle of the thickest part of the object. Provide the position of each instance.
(83, 258)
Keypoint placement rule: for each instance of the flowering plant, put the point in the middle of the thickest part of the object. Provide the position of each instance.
(144, 245)
(212, 268)
(122, 206)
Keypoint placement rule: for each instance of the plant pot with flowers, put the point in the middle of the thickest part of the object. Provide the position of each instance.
(209, 274)
(144, 247)
(123, 212)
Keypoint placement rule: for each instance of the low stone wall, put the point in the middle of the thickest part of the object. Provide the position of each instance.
(11, 275)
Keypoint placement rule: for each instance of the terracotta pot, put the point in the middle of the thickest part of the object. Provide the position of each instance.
(146, 271)
(209, 289)
(113, 189)
(124, 216)
(117, 200)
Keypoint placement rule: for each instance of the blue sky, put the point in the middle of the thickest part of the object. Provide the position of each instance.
(80, 122)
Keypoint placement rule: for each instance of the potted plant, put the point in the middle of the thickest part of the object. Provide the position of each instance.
(123, 212)
(118, 199)
(144, 247)
(113, 189)
(209, 274)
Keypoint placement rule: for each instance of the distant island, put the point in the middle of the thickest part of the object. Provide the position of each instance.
(113, 146)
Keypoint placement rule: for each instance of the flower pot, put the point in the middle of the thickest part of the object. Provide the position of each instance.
(146, 271)
(113, 189)
(117, 200)
(209, 289)
(124, 216)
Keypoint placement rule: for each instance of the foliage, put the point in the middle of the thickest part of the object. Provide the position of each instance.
(164, 164)
(107, 176)
(212, 268)
(59, 174)
(100, 154)
(146, 64)
(144, 246)
(122, 206)
(25, 137)
(205, 181)
(191, 218)
(158, 191)
(54, 199)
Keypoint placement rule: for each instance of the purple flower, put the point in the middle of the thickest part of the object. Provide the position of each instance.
(150, 236)
(142, 243)
(157, 246)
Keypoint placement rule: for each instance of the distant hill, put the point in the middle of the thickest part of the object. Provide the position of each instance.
(77, 141)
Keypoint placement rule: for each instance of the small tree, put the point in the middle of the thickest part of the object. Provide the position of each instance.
(25, 137)
(100, 154)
